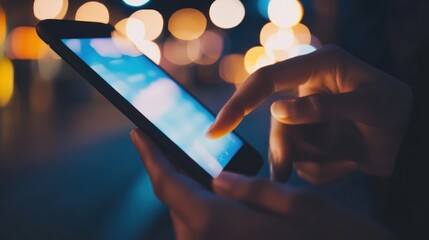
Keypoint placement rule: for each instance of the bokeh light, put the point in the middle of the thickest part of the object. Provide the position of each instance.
(207, 49)
(150, 49)
(49, 65)
(267, 31)
(232, 69)
(48, 9)
(256, 58)
(24, 43)
(136, 3)
(285, 13)
(135, 30)
(2, 29)
(152, 21)
(176, 51)
(302, 34)
(227, 13)
(6, 81)
(93, 12)
(277, 45)
(187, 24)
(121, 26)
(123, 44)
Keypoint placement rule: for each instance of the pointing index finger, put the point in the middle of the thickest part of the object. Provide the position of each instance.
(253, 92)
(257, 88)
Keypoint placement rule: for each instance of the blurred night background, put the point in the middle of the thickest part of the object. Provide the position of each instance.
(67, 167)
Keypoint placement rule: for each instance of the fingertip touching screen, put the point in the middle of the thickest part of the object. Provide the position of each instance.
(159, 98)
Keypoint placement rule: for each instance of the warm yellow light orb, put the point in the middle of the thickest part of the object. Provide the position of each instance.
(24, 43)
(2, 28)
(187, 24)
(44, 9)
(256, 58)
(150, 49)
(232, 69)
(227, 13)
(6, 81)
(93, 12)
(285, 13)
(152, 21)
(267, 31)
(302, 34)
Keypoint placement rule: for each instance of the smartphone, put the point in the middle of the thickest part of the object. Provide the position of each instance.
(150, 98)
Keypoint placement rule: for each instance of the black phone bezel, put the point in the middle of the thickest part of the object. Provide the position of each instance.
(246, 161)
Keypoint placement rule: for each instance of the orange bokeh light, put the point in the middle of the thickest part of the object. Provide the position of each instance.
(2, 28)
(23, 43)
(267, 31)
(93, 12)
(187, 24)
(6, 81)
(302, 33)
(256, 58)
(232, 69)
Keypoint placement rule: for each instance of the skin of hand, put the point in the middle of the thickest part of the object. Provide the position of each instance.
(247, 208)
(347, 115)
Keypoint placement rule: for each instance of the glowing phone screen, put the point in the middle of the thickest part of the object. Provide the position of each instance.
(161, 100)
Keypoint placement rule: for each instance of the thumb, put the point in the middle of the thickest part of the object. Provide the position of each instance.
(355, 106)
(257, 192)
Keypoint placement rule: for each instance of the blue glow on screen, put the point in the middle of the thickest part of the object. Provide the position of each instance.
(149, 89)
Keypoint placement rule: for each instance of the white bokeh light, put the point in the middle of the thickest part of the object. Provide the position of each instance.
(285, 13)
(152, 21)
(48, 9)
(135, 3)
(227, 13)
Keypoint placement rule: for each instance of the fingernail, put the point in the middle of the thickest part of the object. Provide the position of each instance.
(282, 110)
(226, 180)
(209, 133)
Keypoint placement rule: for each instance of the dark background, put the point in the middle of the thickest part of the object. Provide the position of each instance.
(69, 171)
